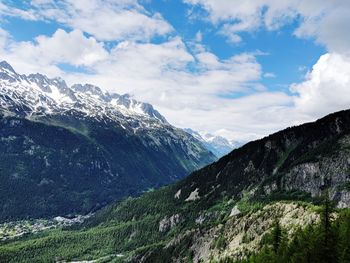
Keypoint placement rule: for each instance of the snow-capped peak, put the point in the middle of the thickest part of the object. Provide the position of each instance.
(7, 72)
(128, 102)
(218, 145)
(36, 93)
(6, 67)
(88, 88)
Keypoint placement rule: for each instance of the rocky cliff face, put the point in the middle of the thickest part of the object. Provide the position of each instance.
(307, 159)
(239, 236)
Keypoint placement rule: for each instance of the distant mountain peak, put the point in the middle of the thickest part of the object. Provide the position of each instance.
(94, 90)
(46, 83)
(127, 96)
(7, 72)
(4, 65)
(218, 145)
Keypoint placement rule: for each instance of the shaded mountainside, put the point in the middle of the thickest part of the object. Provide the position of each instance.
(307, 158)
(225, 210)
(73, 150)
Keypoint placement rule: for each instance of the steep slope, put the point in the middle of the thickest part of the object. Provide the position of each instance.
(73, 150)
(306, 158)
(223, 210)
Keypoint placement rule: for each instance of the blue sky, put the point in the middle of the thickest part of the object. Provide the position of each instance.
(302, 53)
(233, 68)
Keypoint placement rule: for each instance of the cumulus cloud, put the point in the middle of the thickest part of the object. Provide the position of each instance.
(326, 21)
(326, 88)
(169, 76)
(72, 47)
(45, 53)
(106, 20)
(330, 27)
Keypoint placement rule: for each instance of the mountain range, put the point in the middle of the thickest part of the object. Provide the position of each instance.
(266, 192)
(218, 145)
(67, 150)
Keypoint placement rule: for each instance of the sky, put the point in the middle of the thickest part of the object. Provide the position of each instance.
(239, 69)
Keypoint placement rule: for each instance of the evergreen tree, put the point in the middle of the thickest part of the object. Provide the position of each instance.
(276, 236)
(328, 245)
(343, 248)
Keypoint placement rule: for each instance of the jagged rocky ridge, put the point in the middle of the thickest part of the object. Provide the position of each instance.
(75, 149)
(224, 209)
(37, 95)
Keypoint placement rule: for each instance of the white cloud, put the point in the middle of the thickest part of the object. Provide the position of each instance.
(6, 10)
(243, 119)
(106, 20)
(326, 88)
(199, 36)
(4, 38)
(326, 21)
(40, 2)
(269, 75)
(232, 30)
(330, 28)
(45, 53)
(160, 74)
(73, 48)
